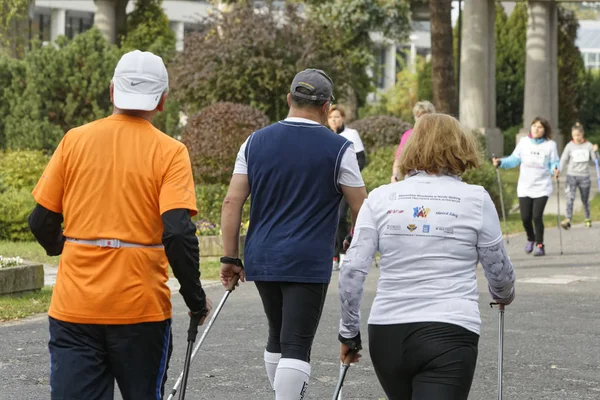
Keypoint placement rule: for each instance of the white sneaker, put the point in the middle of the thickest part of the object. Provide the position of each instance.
(336, 265)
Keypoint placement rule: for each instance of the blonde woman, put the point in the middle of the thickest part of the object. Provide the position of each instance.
(421, 108)
(431, 230)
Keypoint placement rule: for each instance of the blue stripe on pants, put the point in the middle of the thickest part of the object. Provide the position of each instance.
(163, 362)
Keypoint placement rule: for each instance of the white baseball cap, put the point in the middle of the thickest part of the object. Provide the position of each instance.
(139, 81)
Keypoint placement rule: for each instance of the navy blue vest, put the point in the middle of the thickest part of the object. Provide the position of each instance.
(293, 171)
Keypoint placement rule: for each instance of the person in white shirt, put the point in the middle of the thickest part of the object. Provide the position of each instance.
(296, 172)
(335, 120)
(431, 230)
(538, 156)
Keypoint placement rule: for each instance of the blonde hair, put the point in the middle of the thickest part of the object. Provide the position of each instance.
(438, 145)
(338, 108)
(423, 107)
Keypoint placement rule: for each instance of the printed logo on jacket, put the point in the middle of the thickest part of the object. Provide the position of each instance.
(426, 219)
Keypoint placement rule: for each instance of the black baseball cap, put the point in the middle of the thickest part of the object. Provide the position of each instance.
(316, 82)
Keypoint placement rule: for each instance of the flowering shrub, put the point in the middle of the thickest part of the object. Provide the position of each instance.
(207, 228)
(10, 261)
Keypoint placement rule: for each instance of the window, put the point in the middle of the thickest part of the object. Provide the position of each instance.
(380, 61)
(40, 27)
(591, 59)
(77, 24)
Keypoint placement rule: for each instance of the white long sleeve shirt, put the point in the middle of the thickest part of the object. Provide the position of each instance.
(431, 232)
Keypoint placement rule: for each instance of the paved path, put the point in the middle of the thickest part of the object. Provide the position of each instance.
(552, 349)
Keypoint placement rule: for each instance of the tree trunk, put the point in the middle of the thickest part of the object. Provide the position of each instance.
(442, 57)
(121, 19)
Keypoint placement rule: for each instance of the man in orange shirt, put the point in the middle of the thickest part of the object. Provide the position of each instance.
(127, 195)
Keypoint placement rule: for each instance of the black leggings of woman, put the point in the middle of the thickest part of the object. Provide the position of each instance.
(424, 360)
(532, 214)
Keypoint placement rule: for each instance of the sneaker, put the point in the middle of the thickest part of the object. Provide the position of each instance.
(540, 250)
(588, 223)
(336, 264)
(341, 263)
(566, 224)
(529, 247)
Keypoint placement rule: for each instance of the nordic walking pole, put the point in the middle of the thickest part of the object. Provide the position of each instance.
(501, 201)
(597, 170)
(347, 361)
(193, 355)
(192, 334)
(500, 345)
(558, 214)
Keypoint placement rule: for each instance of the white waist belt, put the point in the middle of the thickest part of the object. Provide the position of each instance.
(113, 243)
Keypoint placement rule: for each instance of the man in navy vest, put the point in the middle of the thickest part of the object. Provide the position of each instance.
(297, 171)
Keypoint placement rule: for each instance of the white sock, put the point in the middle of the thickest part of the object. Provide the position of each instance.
(271, 361)
(291, 379)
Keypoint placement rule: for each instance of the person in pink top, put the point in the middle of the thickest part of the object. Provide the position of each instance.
(421, 108)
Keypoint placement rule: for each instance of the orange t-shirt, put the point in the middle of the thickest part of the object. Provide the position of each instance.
(112, 179)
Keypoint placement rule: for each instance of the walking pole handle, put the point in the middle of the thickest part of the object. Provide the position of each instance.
(500, 306)
(350, 356)
(193, 328)
(233, 283)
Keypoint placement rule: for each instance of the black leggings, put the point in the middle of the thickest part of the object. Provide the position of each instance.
(533, 209)
(293, 311)
(424, 360)
(343, 228)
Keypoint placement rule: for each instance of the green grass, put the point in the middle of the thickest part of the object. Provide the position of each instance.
(210, 268)
(23, 305)
(30, 251)
(514, 224)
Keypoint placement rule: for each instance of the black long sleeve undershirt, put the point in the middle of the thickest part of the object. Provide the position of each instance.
(183, 253)
(46, 226)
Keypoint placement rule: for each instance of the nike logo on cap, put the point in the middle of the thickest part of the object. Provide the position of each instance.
(136, 83)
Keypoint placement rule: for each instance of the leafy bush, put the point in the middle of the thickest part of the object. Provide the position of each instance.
(486, 176)
(424, 81)
(379, 169)
(510, 139)
(213, 137)
(588, 115)
(250, 57)
(380, 131)
(168, 121)
(64, 86)
(11, 70)
(399, 100)
(15, 207)
(209, 199)
(22, 169)
(148, 30)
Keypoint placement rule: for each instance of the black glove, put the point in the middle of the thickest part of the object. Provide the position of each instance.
(355, 343)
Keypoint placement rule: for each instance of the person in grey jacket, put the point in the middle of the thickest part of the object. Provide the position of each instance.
(576, 157)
